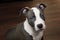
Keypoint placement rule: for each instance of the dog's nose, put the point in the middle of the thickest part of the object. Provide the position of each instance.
(39, 25)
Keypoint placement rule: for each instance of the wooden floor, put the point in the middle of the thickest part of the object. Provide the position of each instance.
(52, 15)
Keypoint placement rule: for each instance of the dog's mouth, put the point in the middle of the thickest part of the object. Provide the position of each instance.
(39, 30)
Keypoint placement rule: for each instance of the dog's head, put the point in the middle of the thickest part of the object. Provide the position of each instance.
(35, 16)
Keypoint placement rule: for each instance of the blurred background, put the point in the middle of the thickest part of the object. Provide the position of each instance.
(9, 16)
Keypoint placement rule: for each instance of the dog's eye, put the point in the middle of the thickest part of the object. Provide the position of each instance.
(42, 16)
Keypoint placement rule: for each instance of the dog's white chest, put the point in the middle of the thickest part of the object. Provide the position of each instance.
(28, 28)
(38, 36)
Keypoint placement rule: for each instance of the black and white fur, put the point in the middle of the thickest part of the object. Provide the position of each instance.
(34, 24)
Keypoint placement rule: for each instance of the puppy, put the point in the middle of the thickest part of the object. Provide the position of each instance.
(33, 26)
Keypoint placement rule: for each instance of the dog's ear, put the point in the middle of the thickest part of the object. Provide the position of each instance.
(24, 10)
(42, 6)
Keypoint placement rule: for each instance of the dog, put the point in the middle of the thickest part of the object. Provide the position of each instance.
(33, 26)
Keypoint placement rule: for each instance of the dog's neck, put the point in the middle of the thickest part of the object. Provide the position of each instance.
(31, 32)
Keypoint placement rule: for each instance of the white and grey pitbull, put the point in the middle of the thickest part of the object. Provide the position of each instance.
(32, 28)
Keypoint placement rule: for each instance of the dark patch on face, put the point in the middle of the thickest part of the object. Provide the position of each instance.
(42, 14)
(31, 17)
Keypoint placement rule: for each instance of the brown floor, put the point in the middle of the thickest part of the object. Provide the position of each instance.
(52, 14)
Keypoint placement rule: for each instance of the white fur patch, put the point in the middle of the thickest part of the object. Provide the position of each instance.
(28, 28)
(38, 18)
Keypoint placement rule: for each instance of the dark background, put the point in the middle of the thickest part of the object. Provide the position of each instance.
(7, 1)
(9, 17)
